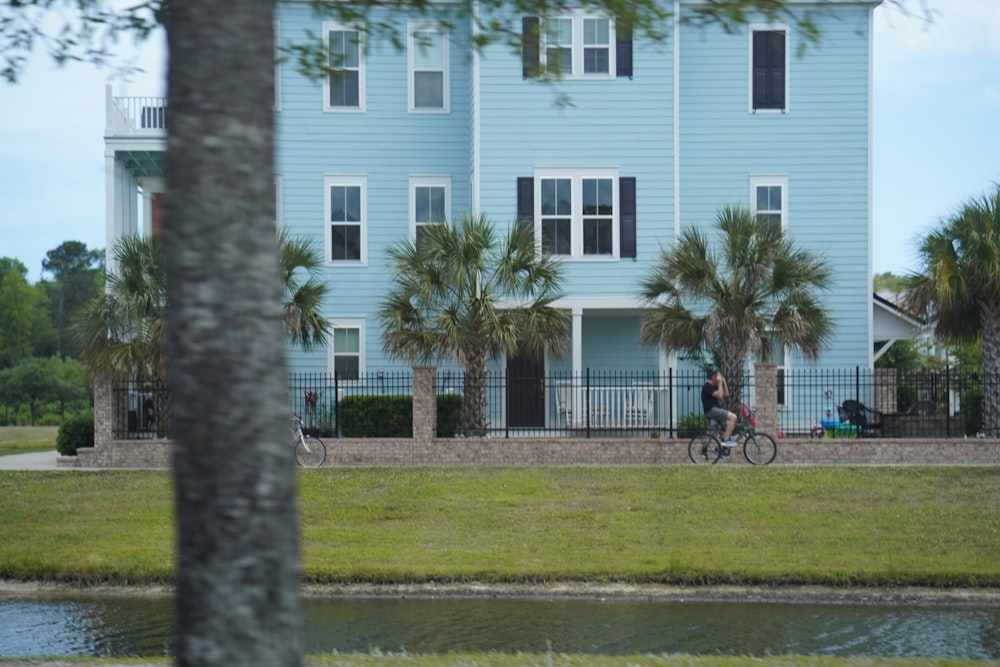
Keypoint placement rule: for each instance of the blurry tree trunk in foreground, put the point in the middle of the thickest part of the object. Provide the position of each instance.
(238, 565)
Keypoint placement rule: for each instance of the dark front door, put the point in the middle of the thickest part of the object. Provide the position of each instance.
(525, 391)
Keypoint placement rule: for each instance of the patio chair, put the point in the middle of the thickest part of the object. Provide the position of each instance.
(563, 394)
(868, 421)
(923, 408)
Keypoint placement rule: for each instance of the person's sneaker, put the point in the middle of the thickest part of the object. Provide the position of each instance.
(728, 443)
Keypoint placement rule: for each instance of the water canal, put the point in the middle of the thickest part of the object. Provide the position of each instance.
(99, 626)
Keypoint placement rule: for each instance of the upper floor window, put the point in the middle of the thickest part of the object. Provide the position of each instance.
(345, 83)
(430, 203)
(579, 45)
(346, 219)
(427, 48)
(767, 197)
(577, 212)
(769, 69)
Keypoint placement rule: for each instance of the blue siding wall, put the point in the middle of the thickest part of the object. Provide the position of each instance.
(387, 145)
(821, 147)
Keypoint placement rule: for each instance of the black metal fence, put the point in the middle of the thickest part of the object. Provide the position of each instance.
(814, 402)
(930, 402)
(142, 410)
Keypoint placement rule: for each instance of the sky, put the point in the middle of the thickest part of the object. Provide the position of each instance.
(936, 134)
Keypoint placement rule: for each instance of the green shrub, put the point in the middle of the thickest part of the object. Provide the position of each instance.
(75, 432)
(48, 420)
(392, 416)
(690, 425)
(448, 408)
(376, 416)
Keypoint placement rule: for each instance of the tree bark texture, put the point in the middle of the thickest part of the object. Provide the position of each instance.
(238, 594)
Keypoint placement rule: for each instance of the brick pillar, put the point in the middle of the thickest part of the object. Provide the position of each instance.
(885, 390)
(424, 404)
(104, 412)
(766, 392)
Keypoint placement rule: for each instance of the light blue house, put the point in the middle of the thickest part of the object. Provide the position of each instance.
(656, 136)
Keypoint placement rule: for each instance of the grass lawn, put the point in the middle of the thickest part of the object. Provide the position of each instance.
(868, 526)
(871, 526)
(26, 439)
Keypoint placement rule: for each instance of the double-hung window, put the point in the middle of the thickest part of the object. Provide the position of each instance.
(427, 58)
(577, 212)
(346, 350)
(430, 203)
(768, 198)
(346, 219)
(768, 68)
(345, 82)
(579, 45)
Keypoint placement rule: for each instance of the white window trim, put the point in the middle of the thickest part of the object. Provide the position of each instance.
(277, 64)
(330, 180)
(348, 323)
(756, 27)
(329, 26)
(576, 176)
(427, 26)
(577, 16)
(770, 181)
(432, 182)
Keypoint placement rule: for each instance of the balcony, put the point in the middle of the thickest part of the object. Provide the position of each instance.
(135, 116)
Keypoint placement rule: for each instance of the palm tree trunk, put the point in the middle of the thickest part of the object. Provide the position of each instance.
(732, 368)
(991, 369)
(472, 419)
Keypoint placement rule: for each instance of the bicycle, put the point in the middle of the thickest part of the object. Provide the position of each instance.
(758, 448)
(310, 451)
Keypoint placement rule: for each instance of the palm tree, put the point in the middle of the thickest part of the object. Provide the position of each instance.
(303, 320)
(462, 294)
(755, 288)
(122, 331)
(958, 288)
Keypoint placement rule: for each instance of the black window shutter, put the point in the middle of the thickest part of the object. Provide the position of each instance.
(769, 69)
(626, 215)
(529, 46)
(526, 201)
(623, 55)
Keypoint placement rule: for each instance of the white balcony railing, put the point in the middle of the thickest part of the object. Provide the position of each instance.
(135, 116)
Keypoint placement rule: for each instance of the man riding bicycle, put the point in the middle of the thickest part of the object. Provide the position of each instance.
(712, 392)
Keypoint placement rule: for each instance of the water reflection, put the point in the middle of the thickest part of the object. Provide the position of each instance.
(101, 626)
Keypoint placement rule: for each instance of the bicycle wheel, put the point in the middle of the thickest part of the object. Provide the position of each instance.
(760, 449)
(310, 452)
(704, 448)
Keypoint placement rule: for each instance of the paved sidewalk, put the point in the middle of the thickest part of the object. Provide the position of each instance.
(33, 461)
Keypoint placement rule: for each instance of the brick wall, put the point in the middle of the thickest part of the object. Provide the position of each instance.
(568, 451)
(426, 450)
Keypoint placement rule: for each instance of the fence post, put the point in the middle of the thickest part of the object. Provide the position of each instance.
(424, 404)
(766, 392)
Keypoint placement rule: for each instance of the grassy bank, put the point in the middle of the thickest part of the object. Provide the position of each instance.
(870, 526)
(25, 439)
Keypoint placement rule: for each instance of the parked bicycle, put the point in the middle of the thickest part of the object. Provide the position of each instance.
(758, 448)
(310, 451)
